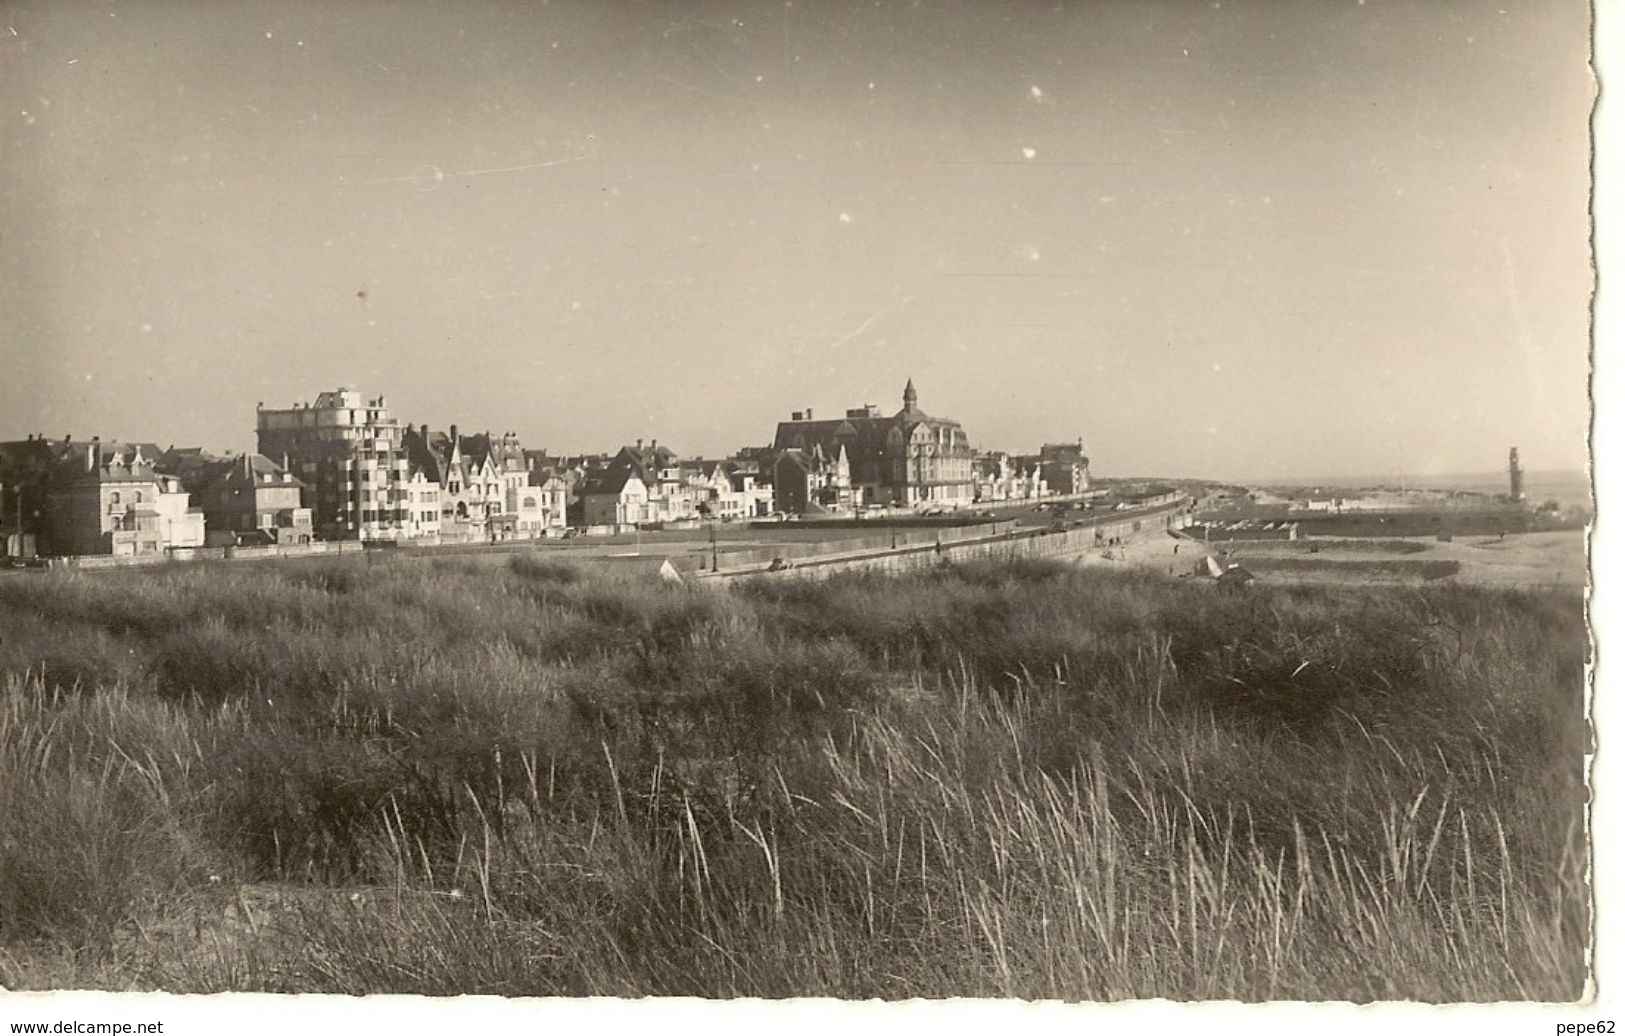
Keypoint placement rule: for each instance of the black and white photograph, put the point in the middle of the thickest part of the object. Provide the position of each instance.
(1083, 501)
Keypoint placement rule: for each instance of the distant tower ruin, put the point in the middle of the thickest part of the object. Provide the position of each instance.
(1515, 477)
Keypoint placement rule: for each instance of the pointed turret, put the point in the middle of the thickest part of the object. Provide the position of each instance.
(911, 399)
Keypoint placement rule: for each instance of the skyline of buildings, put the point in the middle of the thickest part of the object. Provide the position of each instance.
(344, 467)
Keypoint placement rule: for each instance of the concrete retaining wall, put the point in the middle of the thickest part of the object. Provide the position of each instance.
(289, 550)
(1010, 545)
(810, 551)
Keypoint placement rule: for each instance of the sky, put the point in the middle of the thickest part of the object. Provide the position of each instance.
(1221, 239)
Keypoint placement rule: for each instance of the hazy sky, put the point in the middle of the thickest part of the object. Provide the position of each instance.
(1243, 239)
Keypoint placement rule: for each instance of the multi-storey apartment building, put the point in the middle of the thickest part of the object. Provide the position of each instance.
(1000, 476)
(498, 473)
(423, 493)
(107, 498)
(439, 473)
(25, 468)
(347, 450)
(671, 497)
(615, 494)
(640, 484)
(1066, 468)
(808, 482)
(727, 489)
(251, 500)
(550, 492)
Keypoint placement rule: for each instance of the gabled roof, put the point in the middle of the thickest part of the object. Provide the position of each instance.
(113, 462)
(251, 469)
(21, 458)
(476, 449)
(609, 481)
(503, 451)
(191, 464)
(536, 459)
(865, 431)
(800, 458)
(869, 432)
(650, 458)
(199, 469)
(434, 456)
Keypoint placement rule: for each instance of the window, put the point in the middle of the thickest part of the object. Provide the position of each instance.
(138, 496)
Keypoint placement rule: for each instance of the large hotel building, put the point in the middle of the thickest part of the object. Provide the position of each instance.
(903, 459)
(348, 452)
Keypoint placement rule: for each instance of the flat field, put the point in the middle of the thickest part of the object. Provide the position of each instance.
(1535, 559)
(450, 776)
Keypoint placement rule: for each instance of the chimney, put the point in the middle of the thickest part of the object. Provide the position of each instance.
(809, 413)
(423, 432)
(91, 457)
(640, 444)
(454, 435)
(795, 415)
(248, 466)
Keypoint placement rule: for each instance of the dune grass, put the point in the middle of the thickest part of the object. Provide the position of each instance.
(1015, 780)
(1357, 568)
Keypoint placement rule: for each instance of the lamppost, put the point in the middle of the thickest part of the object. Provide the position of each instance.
(713, 548)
